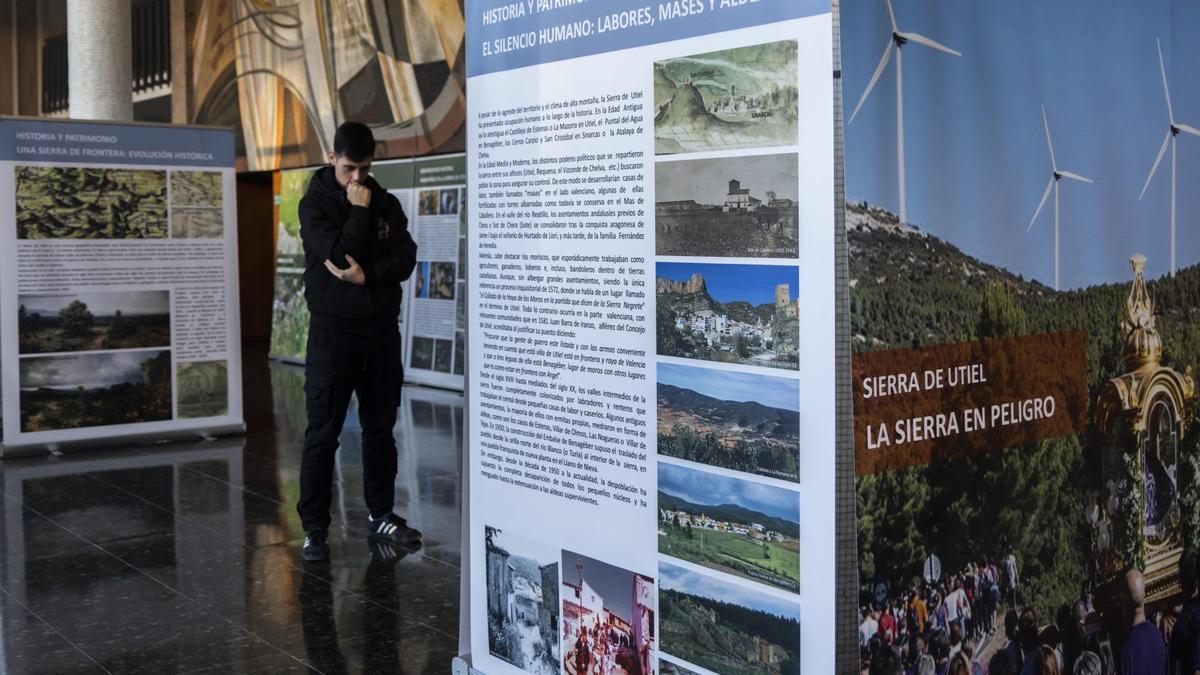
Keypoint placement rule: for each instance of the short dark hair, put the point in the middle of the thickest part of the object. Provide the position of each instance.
(354, 141)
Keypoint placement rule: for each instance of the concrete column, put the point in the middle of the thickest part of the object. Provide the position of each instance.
(100, 59)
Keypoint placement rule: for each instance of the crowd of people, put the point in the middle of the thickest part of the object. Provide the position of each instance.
(947, 629)
(959, 610)
(602, 650)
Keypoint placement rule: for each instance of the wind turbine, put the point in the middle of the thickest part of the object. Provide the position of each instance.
(1172, 132)
(897, 40)
(1056, 174)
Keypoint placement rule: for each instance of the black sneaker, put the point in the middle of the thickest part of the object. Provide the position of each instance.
(315, 547)
(394, 529)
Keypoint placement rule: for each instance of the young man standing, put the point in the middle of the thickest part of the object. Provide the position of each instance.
(357, 250)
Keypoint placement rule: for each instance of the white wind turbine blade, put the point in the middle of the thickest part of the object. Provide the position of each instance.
(1045, 196)
(887, 56)
(1157, 160)
(921, 39)
(1189, 129)
(1074, 176)
(1049, 143)
(892, 14)
(1162, 68)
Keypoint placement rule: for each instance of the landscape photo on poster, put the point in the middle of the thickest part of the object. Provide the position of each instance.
(462, 214)
(449, 202)
(443, 353)
(736, 526)
(747, 314)
(90, 203)
(732, 420)
(607, 619)
(197, 223)
(427, 202)
(196, 188)
(728, 207)
(93, 321)
(460, 352)
(999, 242)
(522, 601)
(733, 99)
(289, 310)
(421, 280)
(202, 389)
(422, 353)
(441, 281)
(95, 389)
(726, 628)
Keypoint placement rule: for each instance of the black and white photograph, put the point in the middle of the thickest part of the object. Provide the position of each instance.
(728, 207)
(522, 601)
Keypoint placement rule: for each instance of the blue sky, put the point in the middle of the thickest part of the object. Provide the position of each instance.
(701, 487)
(726, 385)
(726, 283)
(678, 579)
(975, 149)
(614, 584)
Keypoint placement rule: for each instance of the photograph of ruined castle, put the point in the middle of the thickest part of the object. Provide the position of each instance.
(746, 314)
(733, 207)
(731, 99)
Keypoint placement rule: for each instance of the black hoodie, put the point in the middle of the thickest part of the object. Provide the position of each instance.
(376, 236)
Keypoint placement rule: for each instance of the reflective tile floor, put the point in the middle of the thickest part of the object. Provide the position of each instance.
(186, 558)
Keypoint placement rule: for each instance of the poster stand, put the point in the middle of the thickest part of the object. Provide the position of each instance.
(118, 260)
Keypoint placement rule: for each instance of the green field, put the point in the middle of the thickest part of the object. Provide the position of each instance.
(735, 554)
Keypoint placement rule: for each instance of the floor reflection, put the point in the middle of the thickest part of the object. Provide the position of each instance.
(184, 558)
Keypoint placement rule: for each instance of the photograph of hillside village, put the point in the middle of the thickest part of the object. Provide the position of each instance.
(745, 529)
(731, 99)
(726, 628)
(522, 598)
(730, 207)
(741, 421)
(747, 314)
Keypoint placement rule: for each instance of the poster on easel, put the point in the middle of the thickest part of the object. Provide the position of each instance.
(289, 311)
(432, 315)
(118, 259)
(434, 339)
(651, 403)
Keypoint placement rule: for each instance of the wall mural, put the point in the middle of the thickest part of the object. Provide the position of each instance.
(286, 73)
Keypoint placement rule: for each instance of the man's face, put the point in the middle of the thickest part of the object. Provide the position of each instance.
(348, 171)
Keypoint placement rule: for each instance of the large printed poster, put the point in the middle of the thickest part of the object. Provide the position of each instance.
(651, 308)
(289, 311)
(433, 194)
(436, 340)
(1025, 287)
(117, 253)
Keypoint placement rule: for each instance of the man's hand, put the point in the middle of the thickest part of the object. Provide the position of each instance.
(358, 194)
(353, 274)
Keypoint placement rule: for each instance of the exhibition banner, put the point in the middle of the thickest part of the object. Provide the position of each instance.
(1024, 290)
(651, 452)
(289, 310)
(118, 282)
(434, 194)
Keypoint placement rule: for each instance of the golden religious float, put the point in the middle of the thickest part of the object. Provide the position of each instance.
(1144, 512)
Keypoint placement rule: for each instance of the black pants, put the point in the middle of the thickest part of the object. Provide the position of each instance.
(338, 365)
